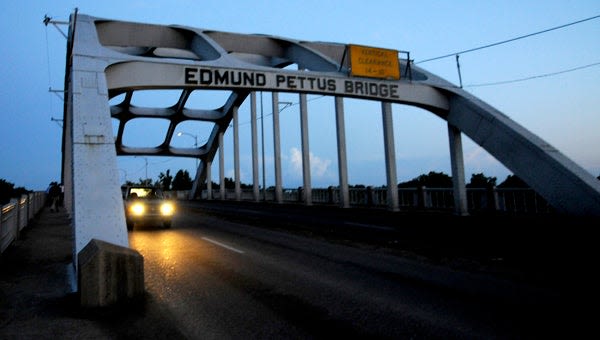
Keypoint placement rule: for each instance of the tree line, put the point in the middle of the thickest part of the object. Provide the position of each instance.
(183, 181)
(441, 180)
(8, 191)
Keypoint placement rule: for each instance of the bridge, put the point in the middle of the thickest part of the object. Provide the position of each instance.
(247, 270)
(108, 61)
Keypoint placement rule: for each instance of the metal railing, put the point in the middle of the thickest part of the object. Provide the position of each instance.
(17, 214)
(479, 200)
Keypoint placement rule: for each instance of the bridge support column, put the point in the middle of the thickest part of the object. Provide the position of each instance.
(307, 192)
(236, 154)
(342, 159)
(221, 167)
(209, 188)
(253, 128)
(390, 156)
(90, 170)
(458, 171)
(96, 205)
(277, 148)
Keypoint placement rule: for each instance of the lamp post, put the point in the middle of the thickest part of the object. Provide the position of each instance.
(146, 164)
(179, 134)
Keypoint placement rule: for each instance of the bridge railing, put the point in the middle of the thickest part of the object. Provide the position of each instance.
(479, 200)
(17, 214)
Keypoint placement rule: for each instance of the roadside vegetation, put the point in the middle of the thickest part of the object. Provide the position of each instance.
(183, 181)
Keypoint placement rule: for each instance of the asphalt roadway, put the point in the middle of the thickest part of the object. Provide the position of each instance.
(559, 253)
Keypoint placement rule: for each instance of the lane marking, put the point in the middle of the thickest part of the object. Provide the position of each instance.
(222, 245)
(371, 226)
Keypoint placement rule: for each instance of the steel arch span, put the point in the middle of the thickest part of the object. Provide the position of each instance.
(109, 59)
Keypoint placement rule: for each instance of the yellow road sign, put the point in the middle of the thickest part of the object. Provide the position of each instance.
(374, 62)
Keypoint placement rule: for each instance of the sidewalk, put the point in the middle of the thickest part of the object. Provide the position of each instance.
(36, 301)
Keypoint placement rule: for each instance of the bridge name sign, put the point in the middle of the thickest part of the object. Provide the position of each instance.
(234, 78)
(141, 75)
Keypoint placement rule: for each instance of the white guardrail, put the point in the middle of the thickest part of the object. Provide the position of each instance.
(17, 214)
(494, 199)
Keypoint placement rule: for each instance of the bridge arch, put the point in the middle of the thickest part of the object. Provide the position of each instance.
(110, 59)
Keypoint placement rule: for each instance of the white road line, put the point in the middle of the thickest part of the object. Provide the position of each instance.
(223, 245)
(368, 226)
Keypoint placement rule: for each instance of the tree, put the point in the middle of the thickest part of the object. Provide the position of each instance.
(182, 181)
(230, 184)
(513, 181)
(165, 180)
(213, 183)
(141, 182)
(481, 181)
(432, 180)
(8, 191)
(146, 182)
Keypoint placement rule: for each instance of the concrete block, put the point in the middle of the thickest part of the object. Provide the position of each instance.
(109, 274)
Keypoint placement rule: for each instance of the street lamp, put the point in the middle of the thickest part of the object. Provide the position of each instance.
(179, 134)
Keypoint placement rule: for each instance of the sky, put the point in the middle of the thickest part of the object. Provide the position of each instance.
(549, 83)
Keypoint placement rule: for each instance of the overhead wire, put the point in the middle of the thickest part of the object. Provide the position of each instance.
(456, 54)
(532, 77)
(292, 104)
(510, 40)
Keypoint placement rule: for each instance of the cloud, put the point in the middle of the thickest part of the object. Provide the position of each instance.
(478, 160)
(478, 157)
(318, 166)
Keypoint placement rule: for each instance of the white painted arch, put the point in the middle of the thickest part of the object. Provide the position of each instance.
(107, 58)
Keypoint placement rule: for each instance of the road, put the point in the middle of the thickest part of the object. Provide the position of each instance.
(218, 278)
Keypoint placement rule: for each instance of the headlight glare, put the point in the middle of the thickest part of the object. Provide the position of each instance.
(167, 209)
(137, 209)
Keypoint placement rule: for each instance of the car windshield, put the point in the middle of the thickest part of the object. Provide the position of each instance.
(146, 193)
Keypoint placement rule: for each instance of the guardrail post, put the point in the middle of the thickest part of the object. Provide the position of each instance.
(422, 199)
(369, 196)
(492, 198)
(330, 193)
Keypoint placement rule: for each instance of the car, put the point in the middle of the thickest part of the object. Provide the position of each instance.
(147, 205)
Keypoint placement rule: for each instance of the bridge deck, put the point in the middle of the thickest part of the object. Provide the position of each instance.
(36, 299)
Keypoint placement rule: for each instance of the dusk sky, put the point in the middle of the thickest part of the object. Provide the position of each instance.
(549, 82)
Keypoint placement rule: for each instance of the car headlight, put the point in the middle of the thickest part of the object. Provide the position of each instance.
(167, 209)
(137, 209)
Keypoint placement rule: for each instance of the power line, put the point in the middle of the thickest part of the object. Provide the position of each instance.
(271, 113)
(533, 77)
(510, 40)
